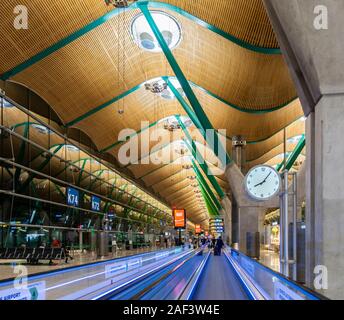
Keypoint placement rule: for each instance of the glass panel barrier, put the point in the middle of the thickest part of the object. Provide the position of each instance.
(272, 285)
(87, 281)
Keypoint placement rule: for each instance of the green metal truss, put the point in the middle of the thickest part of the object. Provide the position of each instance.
(200, 114)
(294, 155)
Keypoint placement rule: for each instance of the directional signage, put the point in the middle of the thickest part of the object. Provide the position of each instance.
(72, 197)
(179, 217)
(216, 225)
(95, 203)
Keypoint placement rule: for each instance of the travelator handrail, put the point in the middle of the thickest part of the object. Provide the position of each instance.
(254, 272)
(114, 292)
(39, 275)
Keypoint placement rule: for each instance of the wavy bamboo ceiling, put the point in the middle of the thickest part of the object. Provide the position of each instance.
(231, 59)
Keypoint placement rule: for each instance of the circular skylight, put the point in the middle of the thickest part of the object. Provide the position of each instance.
(5, 103)
(71, 148)
(144, 36)
(294, 139)
(42, 129)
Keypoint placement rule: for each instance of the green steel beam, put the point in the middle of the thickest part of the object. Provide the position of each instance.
(294, 155)
(81, 171)
(197, 155)
(58, 189)
(40, 168)
(206, 186)
(208, 198)
(111, 14)
(211, 209)
(129, 137)
(102, 106)
(149, 154)
(202, 117)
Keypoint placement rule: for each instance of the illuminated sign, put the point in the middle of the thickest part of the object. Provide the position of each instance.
(179, 217)
(198, 229)
(95, 203)
(72, 197)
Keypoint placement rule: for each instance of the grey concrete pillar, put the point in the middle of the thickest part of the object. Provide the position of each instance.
(251, 219)
(325, 195)
(227, 215)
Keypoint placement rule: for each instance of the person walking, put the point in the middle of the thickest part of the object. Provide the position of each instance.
(218, 246)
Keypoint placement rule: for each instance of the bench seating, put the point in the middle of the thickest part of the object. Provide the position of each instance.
(33, 255)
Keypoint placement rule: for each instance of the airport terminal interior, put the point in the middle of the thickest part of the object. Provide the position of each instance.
(171, 150)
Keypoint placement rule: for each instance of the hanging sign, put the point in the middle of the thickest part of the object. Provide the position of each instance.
(179, 218)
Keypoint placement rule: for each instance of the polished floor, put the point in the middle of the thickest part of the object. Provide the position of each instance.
(270, 259)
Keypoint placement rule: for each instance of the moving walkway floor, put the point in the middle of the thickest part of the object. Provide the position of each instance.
(218, 281)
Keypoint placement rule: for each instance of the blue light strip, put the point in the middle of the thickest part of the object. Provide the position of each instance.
(140, 276)
(243, 282)
(202, 268)
(75, 268)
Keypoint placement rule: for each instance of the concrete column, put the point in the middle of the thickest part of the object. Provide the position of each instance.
(251, 219)
(80, 241)
(227, 214)
(325, 195)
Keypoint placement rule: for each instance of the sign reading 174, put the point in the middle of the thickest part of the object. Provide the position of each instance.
(72, 197)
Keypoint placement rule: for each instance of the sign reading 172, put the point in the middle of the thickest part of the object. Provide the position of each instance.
(95, 203)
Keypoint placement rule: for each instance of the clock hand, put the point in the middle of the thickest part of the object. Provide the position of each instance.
(259, 184)
(267, 177)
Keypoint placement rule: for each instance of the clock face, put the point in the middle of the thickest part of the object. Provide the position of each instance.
(262, 182)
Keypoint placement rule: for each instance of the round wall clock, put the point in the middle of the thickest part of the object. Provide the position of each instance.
(262, 183)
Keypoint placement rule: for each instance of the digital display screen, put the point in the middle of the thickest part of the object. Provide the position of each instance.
(198, 229)
(72, 197)
(179, 217)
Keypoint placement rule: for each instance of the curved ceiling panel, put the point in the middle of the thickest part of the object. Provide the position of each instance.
(106, 62)
(246, 20)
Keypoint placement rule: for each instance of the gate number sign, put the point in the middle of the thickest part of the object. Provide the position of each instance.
(72, 197)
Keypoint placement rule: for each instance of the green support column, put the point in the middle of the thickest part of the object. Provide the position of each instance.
(294, 155)
(206, 186)
(211, 210)
(202, 117)
(197, 155)
(40, 168)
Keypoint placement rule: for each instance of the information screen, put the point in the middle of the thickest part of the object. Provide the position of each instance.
(179, 217)
(72, 197)
(95, 203)
(198, 229)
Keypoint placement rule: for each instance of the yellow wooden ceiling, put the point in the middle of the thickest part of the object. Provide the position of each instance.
(105, 62)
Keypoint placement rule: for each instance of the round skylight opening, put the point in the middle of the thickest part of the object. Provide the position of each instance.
(42, 129)
(144, 36)
(294, 139)
(71, 148)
